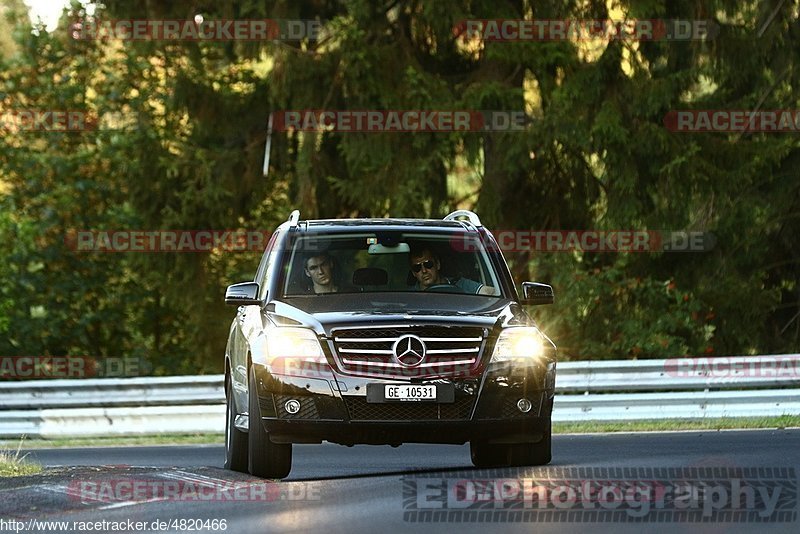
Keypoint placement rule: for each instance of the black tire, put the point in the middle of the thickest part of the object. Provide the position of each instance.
(235, 439)
(487, 454)
(518, 454)
(533, 453)
(265, 458)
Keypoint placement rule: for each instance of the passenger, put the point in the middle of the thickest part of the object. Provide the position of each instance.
(319, 269)
(426, 268)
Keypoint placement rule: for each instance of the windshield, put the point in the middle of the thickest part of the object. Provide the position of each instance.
(390, 262)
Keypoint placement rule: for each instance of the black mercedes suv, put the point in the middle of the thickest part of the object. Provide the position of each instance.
(386, 331)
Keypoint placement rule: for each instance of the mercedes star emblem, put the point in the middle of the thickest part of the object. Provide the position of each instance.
(409, 350)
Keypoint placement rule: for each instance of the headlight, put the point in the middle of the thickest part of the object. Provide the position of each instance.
(518, 343)
(290, 342)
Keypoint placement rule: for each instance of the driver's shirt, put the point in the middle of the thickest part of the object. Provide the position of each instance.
(466, 285)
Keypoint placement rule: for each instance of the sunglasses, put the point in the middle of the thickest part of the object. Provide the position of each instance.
(417, 267)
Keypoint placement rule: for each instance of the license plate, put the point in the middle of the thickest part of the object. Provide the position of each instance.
(409, 393)
(442, 393)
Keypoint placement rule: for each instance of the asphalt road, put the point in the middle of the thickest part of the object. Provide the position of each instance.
(429, 487)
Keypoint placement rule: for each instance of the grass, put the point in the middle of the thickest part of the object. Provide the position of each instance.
(12, 464)
(662, 425)
(601, 427)
(167, 439)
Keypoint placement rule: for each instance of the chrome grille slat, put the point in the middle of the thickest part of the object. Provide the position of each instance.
(364, 340)
(367, 351)
(398, 366)
(393, 339)
(451, 340)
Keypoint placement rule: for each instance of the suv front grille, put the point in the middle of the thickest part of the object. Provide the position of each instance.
(450, 350)
(361, 410)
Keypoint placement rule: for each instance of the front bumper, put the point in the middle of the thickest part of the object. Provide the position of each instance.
(333, 407)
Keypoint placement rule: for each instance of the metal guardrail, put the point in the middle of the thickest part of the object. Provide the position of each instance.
(747, 386)
(111, 392)
(681, 405)
(678, 374)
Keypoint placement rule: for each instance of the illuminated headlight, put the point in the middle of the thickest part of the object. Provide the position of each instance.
(518, 343)
(289, 342)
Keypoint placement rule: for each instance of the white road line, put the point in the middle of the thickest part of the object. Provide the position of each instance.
(130, 503)
(187, 477)
(205, 477)
(64, 490)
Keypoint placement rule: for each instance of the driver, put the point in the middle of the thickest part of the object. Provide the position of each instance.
(426, 268)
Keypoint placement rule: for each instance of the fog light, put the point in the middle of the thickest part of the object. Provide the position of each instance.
(524, 405)
(292, 406)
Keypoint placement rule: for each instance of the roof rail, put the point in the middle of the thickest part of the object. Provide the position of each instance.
(294, 218)
(472, 216)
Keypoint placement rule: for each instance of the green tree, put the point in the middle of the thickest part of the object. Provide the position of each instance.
(182, 127)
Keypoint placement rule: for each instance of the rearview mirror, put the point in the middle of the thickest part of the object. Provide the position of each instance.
(243, 294)
(378, 248)
(534, 293)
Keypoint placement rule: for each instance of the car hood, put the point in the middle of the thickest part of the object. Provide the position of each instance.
(325, 312)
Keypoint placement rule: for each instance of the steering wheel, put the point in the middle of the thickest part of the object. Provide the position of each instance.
(444, 288)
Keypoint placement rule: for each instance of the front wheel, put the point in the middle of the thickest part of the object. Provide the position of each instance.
(540, 453)
(235, 439)
(265, 458)
(485, 454)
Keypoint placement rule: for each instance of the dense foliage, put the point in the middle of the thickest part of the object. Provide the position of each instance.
(180, 139)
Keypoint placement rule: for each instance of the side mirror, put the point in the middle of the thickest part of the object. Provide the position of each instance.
(534, 293)
(243, 294)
